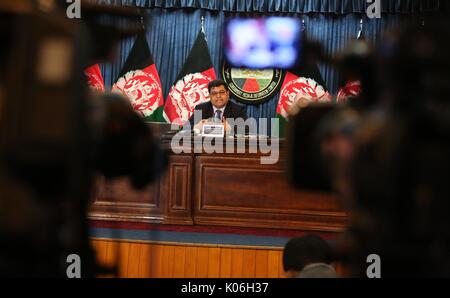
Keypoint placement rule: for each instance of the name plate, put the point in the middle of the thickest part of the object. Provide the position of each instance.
(213, 130)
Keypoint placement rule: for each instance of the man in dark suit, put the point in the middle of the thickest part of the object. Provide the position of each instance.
(219, 108)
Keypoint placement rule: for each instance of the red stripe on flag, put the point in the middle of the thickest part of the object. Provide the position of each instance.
(94, 78)
(289, 77)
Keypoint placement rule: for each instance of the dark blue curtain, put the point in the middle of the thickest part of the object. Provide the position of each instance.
(172, 32)
(292, 6)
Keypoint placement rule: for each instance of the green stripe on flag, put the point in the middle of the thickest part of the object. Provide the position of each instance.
(156, 116)
(282, 122)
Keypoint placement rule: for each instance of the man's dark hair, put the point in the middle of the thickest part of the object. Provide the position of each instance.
(217, 83)
(301, 251)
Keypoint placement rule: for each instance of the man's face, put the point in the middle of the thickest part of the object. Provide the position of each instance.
(219, 96)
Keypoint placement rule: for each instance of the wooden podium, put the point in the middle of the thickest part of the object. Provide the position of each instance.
(219, 189)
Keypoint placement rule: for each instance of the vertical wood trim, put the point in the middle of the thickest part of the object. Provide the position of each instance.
(111, 260)
(281, 272)
(167, 261)
(191, 262)
(145, 261)
(100, 250)
(273, 264)
(225, 262)
(214, 261)
(203, 260)
(237, 255)
(123, 255)
(261, 266)
(179, 261)
(133, 260)
(156, 260)
(249, 263)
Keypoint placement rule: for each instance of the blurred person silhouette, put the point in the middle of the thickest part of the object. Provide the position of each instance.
(308, 257)
(396, 181)
(54, 141)
(385, 155)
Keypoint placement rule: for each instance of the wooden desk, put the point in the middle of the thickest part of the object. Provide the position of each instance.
(223, 189)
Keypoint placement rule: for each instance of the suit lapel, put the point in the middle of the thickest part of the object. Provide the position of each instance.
(227, 110)
(209, 112)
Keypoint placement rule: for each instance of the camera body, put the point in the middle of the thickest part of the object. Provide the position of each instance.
(50, 146)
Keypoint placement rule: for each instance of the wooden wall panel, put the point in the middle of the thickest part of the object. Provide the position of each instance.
(100, 248)
(219, 190)
(248, 263)
(225, 262)
(179, 261)
(168, 261)
(273, 260)
(178, 185)
(280, 264)
(202, 262)
(261, 266)
(239, 191)
(156, 261)
(214, 257)
(116, 199)
(134, 256)
(190, 267)
(237, 262)
(123, 253)
(112, 257)
(140, 259)
(144, 260)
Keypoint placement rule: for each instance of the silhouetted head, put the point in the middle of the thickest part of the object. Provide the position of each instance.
(302, 251)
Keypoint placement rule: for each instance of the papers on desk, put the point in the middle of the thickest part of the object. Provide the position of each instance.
(213, 130)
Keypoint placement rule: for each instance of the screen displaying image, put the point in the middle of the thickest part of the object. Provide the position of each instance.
(272, 42)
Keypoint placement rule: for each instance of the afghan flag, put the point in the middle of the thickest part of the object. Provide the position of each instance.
(191, 85)
(94, 78)
(300, 86)
(139, 82)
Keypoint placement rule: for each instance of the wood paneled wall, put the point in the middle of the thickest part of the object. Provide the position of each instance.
(140, 259)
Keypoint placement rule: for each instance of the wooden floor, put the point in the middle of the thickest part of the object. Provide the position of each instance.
(140, 259)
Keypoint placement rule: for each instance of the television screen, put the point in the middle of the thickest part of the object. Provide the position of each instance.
(273, 42)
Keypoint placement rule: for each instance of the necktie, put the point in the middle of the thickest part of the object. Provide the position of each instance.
(218, 115)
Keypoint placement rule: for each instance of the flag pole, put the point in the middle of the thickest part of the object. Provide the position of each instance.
(360, 28)
(202, 22)
(142, 22)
